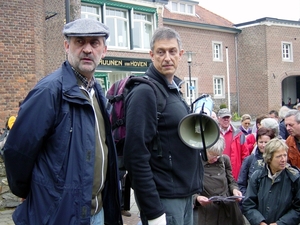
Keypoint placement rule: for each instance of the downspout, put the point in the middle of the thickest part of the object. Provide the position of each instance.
(67, 3)
(237, 74)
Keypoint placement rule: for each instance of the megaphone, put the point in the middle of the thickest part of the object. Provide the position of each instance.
(198, 131)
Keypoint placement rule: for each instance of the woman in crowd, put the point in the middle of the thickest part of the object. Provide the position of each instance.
(245, 124)
(218, 181)
(264, 135)
(251, 138)
(273, 192)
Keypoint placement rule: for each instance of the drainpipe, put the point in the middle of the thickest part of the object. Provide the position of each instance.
(67, 4)
(237, 75)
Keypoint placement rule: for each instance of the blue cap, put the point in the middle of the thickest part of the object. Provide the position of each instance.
(85, 28)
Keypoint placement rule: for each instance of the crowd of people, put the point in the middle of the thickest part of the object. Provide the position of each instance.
(66, 167)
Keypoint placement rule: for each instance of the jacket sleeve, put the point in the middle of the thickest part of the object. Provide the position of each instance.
(231, 182)
(250, 202)
(141, 123)
(243, 175)
(26, 139)
(293, 215)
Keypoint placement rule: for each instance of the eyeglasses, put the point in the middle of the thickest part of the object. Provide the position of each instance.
(214, 156)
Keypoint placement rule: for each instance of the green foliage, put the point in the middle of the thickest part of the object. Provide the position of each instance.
(222, 106)
(235, 117)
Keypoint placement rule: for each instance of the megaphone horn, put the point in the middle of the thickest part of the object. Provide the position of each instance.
(198, 131)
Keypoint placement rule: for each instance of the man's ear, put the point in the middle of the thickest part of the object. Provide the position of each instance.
(151, 55)
(104, 52)
(67, 46)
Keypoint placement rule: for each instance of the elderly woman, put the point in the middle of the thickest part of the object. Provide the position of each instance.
(264, 135)
(218, 181)
(273, 194)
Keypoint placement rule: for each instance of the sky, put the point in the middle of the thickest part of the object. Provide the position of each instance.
(240, 11)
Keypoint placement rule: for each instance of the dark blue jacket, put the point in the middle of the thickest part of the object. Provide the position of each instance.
(177, 171)
(247, 169)
(271, 201)
(49, 155)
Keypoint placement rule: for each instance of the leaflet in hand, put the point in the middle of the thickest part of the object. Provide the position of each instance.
(224, 199)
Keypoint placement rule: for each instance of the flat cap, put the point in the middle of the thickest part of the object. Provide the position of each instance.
(224, 112)
(85, 27)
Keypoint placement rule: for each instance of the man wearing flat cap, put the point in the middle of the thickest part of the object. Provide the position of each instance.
(60, 155)
(235, 141)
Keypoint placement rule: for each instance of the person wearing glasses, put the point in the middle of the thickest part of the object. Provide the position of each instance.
(235, 141)
(245, 124)
(218, 181)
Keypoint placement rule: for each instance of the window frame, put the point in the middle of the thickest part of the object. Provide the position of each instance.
(175, 7)
(86, 14)
(222, 86)
(142, 23)
(284, 53)
(117, 19)
(214, 51)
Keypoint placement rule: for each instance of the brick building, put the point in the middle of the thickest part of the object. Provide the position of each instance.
(269, 64)
(31, 46)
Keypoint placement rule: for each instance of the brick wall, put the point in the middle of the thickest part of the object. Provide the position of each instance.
(21, 52)
(261, 69)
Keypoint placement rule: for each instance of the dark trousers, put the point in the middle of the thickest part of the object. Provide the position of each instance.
(125, 190)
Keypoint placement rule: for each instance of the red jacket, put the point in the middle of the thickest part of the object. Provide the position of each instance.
(293, 152)
(238, 151)
(251, 142)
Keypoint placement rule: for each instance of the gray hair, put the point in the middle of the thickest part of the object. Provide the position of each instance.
(273, 146)
(163, 33)
(271, 124)
(294, 112)
(218, 147)
(283, 111)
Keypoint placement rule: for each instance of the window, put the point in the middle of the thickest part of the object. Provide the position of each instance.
(117, 21)
(287, 51)
(190, 89)
(217, 51)
(92, 12)
(181, 7)
(142, 30)
(219, 89)
(130, 27)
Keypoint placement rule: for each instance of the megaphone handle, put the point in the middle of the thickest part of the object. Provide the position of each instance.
(203, 153)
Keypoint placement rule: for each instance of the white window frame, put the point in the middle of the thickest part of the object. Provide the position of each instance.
(287, 51)
(176, 7)
(217, 49)
(219, 86)
(115, 27)
(194, 92)
(90, 15)
(145, 39)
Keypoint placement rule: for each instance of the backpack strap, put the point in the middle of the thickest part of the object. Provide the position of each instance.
(161, 100)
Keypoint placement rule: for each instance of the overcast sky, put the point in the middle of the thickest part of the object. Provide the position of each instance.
(239, 11)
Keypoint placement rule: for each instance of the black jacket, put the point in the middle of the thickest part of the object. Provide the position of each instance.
(178, 171)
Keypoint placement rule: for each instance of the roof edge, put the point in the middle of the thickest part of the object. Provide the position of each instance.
(268, 19)
(201, 25)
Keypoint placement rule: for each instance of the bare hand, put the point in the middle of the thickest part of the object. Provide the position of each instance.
(203, 200)
(237, 193)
